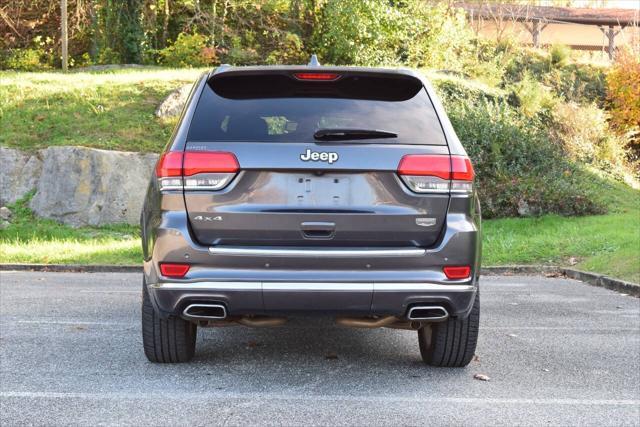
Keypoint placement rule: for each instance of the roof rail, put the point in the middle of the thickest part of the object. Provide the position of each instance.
(313, 62)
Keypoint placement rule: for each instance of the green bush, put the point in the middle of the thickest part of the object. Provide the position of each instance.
(189, 50)
(366, 32)
(108, 56)
(584, 134)
(559, 55)
(458, 89)
(380, 32)
(24, 60)
(435, 35)
(290, 50)
(520, 171)
(581, 83)
(530, 96)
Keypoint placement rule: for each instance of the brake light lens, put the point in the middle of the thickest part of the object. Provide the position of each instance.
(457, 272)
(196, 162)
(461, 169)
(428, 173)
(174, 270)
(170, 164)
(196, 170)
(327, 77)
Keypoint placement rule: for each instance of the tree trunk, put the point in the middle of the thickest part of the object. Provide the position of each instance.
(165, 24)
(64, 41)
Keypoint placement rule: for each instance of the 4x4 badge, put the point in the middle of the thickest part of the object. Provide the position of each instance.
(207, 218)
(319, 156)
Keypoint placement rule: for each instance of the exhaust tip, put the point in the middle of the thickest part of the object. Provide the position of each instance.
(205, 312)
(423, 312)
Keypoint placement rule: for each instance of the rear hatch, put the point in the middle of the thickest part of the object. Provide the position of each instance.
(324, 158)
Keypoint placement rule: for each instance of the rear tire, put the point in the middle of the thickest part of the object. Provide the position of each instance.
(166, 340)
(451, 343)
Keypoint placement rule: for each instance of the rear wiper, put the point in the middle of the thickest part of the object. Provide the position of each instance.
(346, 134)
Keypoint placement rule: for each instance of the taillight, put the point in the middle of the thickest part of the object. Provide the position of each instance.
(196, 170)
(428, 173)
(462, 175)
(457, 272)
(174, 270)
(326, 77)
(169, 171)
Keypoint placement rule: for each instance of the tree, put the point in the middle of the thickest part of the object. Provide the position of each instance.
(130, 31)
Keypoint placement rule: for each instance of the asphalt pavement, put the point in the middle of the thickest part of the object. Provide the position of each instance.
(556, 351)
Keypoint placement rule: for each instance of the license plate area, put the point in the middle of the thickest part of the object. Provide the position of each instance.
(307, 190)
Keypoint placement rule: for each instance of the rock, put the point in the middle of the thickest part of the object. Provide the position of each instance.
(19, 174)
(84, 186)
(5, 213)
(523, 208)
(481, 377)
(174, 102)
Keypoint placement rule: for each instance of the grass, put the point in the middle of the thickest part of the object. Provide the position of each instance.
(29, 239)
(607, 244)
(109, 110)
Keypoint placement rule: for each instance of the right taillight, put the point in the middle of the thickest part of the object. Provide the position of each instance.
(196, 170)
(428, 173)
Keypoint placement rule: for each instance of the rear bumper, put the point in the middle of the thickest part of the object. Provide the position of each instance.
(346, 281)
(352, 298)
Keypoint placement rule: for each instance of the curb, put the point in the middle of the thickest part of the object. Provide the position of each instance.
(593, 279)
(72, 268)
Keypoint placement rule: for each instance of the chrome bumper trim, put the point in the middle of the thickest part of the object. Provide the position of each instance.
(316, 252)
(209, 286)
(315, 286)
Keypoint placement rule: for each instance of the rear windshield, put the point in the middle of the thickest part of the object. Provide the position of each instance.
(277, 108)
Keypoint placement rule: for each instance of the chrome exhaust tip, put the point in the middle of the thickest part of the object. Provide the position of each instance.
(205, 312)
(427, 312)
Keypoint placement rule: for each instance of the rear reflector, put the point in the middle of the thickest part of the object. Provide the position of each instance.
(196, 170)
(317, 76)
(457, 272)
(174, 270)
(428, 173)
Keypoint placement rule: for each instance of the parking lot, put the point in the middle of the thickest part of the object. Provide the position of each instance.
(556, 351)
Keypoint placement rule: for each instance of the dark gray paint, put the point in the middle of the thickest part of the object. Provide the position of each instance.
(380, 212)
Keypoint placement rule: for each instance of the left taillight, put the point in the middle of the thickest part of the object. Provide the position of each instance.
(196, 170)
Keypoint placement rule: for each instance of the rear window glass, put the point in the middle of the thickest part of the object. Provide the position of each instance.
(277, 108)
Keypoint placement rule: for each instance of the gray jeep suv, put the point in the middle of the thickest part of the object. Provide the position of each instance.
(309, 190)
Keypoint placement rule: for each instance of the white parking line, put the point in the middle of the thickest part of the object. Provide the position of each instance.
(554, 328)
(298, 397)
(71, 322)
(110, 292)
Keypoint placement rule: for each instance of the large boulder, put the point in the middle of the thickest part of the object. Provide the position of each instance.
(174, 102)
(84, 186)
(19, 174)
